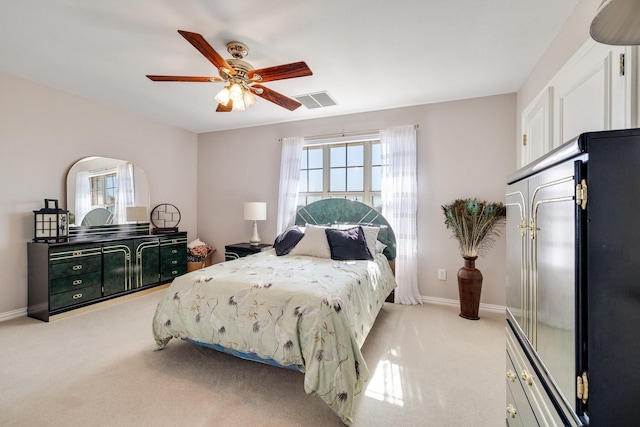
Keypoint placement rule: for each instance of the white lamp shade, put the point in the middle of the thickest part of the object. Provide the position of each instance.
(255, 211)
(223, 96)
(617, 22)
(136, 213)
(235, 92)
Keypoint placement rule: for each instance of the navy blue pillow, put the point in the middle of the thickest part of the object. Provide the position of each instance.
(287, 240)
(348, 245)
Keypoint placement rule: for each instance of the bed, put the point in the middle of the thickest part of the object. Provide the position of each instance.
(293, 306)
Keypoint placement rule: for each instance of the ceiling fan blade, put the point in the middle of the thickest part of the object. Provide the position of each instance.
(205, 48)
(280, 72)
(225, 108)
(276, 98)
(184, 79)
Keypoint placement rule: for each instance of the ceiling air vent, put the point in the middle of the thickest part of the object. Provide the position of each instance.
(316, 100)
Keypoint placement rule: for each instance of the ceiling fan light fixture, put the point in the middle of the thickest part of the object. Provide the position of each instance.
(238, 105)
(235, 92)
(239, 76)
(223, 96)
(248, 98)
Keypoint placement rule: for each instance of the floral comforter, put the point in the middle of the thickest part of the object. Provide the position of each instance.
(308, 312)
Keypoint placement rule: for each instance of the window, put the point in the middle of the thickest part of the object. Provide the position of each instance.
(103, 190)
(349, 170)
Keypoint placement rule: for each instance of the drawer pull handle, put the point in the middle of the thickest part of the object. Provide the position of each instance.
(174, 272)
(174, 251)
(77, 282)
(174, 262)
(77, 296)
(526, 377)
(174, 241)
(77, 253)
(511, 410)
(77, 267)
(511, 375)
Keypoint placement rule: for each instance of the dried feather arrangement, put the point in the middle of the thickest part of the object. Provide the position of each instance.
(474, 224)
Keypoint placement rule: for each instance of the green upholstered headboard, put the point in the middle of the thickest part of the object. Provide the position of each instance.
(343, 211)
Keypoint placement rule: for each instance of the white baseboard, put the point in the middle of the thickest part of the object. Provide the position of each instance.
(492, 308)
(8, 315)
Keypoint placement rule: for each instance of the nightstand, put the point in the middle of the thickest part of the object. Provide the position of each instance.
(239, 250)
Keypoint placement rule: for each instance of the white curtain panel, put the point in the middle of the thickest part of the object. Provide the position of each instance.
(289, 177)
(125, 193)
(83, 196)
(399, 206)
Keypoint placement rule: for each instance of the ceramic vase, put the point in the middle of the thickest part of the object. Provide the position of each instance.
(469, 288)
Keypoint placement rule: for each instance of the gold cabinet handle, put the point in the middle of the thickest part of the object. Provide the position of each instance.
(526, 377)
(511, 410)
(511, 375)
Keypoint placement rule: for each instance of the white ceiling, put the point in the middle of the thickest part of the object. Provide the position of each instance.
(368, 55)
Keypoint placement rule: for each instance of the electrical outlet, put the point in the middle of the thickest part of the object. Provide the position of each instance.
(442, 274)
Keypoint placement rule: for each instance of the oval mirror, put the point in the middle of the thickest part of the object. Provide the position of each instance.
(100, 189)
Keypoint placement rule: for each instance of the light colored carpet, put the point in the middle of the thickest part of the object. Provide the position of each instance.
(430, 368)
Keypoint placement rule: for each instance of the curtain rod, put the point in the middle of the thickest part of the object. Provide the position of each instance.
(343, 134)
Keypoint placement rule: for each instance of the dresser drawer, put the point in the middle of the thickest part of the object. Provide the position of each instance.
(173, 255)
(173, 258)
(75, 297)
(75, 267)
(70, 253)
(534, 404)
(72, 282)
(167, 275)
(519, 411)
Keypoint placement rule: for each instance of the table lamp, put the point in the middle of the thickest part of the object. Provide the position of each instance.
(255, 211)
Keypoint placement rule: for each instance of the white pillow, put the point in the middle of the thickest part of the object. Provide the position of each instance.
(371, 236)
(380, 247)
(314, 243)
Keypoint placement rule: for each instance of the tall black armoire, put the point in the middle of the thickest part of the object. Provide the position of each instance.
(573, 286)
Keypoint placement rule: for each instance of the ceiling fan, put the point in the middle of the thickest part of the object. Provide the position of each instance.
(243, 81)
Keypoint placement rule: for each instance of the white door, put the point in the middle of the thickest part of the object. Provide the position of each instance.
(592, 92)
(537, 128)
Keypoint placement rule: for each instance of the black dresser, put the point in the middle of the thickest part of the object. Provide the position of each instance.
(573, 288)
(66, 276)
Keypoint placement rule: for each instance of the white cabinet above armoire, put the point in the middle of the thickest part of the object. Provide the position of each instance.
(595, 90)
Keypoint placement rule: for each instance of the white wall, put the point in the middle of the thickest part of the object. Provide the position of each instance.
(465, 149)
(43, 132)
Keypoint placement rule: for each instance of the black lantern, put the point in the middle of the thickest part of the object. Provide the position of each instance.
(50, 224)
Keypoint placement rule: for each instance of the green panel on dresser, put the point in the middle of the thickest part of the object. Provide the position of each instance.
(147, 262)
(117, 258)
